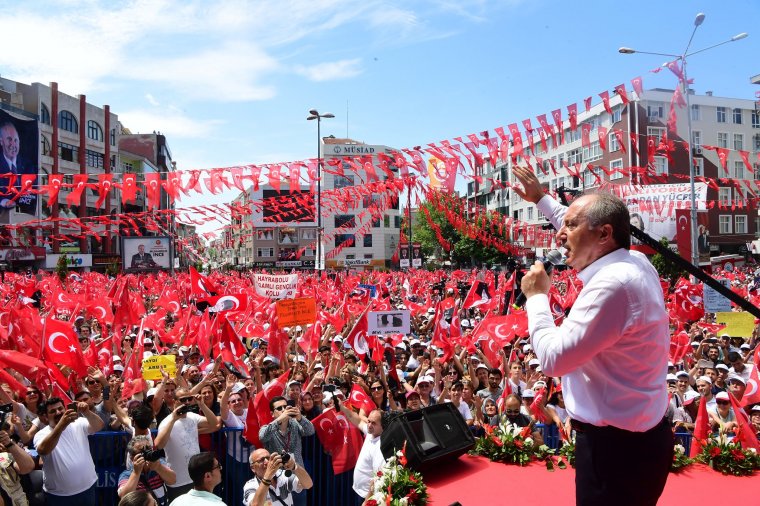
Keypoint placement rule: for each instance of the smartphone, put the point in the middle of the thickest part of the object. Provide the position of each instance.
(72, 406)
(291, 403)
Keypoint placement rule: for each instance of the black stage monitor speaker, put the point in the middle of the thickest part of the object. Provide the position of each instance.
(431, 434)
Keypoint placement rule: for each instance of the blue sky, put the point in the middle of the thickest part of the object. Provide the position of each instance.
(232, 82)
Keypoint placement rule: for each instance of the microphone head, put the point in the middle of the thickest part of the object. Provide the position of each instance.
(554, 257)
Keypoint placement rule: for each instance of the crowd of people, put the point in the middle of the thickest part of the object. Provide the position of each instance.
(169, 421)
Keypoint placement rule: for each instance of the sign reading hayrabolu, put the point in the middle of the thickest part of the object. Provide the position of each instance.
(737, 324)
(151, 367)
(301, 311)
(714, 301)
(388, 322)
(276, 286)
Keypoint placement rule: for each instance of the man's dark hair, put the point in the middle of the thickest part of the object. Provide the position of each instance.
(495, 371)
(733, 356)
(324, 348)
(80, 394)
(52, 402)
(136, 498)
(199, 465)
(605, 209)
(142, 416)
(276, 399)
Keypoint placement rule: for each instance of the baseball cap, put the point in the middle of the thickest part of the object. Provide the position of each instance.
(402, 346)
(744, 346)
(426, 379)
(151, 392)
(756, 409)
(293, 383)
(431, 310)
(736, 377)
(706, 379)
(671, 377)
(533, 361)
(722, 396)
(118, 367)
(237, 387)
(689, 397)
(410, 394)
(682, 374)
(528, 393)
(465, 324)
(481, 366)
(722, 366)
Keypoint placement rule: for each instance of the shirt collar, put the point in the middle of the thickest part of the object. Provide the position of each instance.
(202, 493)
(615, 256)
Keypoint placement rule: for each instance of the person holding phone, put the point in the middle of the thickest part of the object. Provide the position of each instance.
(69, 470)
(178, 435)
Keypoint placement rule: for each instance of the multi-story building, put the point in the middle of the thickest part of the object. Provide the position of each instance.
(727, 123)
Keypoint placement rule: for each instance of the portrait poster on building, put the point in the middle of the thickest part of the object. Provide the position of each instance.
(19, 168)
(146, 254)
(388, 322)
(416, 255)
(276, 286)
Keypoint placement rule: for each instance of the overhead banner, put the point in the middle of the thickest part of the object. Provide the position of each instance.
(146, 254)
(653, 207)
(19, 167)
(301, 311)
(388, 322)
(276, 286)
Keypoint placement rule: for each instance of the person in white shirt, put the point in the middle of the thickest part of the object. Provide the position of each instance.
(178, 436)
(68, 472)
(234, 412)
(370, 458)
(206, 473)
(611, 350)
(274, 482)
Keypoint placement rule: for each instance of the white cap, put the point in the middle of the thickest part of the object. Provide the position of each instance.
(671, 377)
(706, 379)
(689, 396)
(528, 393)
(118, 367)
(415, 341)
(299, 328)
(337, 339)
(533, 361)
(682, 374)
(527, 348)
(735, 377)
(465, 323)
(426, 379)
(116, 358)
(481, 366)
(722, 366)
(539, 384)
(670, 364)
(147, 340)
(402, 346)
(151, 392)
(301, 359)
(318, 366)
(744, 346)
(237, 387)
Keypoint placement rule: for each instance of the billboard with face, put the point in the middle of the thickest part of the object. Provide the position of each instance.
(19, 167)
(140, 254)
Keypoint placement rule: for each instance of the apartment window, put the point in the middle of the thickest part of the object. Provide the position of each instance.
(738, 142)
(68, 152)
(344, 221)
(94, 131)
(94, 159)
(67, 121)
(724, 196)
(695, 115)
(367, 240)
(737, 116)
(345, 240)
(721, 115)
(368, 256)
(616, 169)
(343, 181)
(755, 119)
(589, 178)
(46, 147)
(265, 252)
(739, 170)
(613, 143)
(310, 252)
(655, 111)
(660, 165)
(724, 224)
(740, 224)
(113, 137)
(376, 223)
(656, 133)
(722, 140)
(127, 167)
(44, 114)
(617, 114)
(530, 213)
(397, 221)
(593, 152)
(696, 142)
(756, 142)
(699, 166)
(574, 156)
(387, 221)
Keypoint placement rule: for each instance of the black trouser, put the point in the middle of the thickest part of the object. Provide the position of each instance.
(618, 467)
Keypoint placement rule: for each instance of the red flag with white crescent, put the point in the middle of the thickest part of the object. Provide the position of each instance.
(61, 346)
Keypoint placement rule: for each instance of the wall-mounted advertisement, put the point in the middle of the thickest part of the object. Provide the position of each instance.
(19, 167)
(146, 254)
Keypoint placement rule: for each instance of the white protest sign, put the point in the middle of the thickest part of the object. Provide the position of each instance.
(276, 286)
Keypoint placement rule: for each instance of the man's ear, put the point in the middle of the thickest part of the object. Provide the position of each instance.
(605, 234)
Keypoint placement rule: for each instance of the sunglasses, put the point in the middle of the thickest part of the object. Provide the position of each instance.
(280, 408)
(92, 382)
(512, 412)
(377, 389)
(723, 403)
(186, 399)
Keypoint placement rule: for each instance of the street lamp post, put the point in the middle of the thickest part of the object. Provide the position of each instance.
(314, 114)
(683, 59)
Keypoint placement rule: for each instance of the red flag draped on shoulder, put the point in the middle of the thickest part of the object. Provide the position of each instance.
(342, 440)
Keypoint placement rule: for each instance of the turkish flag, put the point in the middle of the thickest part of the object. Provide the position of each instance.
(752, 393)
(21, 362)
(105, 183)
(701, 428)
(53, 187)
(201, 285)
(745, 433)
(683, 232)
(61, 346)
(342, 440)
(80, 183)
(152, 186)
(128, 188)
(252, 427)
(359, 399)
(358, 338)
(261, 405)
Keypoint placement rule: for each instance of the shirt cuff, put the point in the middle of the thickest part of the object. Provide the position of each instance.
(537, 306)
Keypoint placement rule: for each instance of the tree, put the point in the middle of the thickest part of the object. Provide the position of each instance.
(62, 267)
(665, 268)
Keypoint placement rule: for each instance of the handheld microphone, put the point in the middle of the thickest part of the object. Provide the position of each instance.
(554, 257)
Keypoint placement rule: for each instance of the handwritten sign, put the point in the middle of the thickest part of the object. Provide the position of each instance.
(151, 366)
(301, 311)
(714, 301)
(737, 324)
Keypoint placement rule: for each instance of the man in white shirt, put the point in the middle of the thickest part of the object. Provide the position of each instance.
(611, 351)
(205, 473)
(178, 436)
(234, 412)
(274, 482)
(68, 471)
(370, 458)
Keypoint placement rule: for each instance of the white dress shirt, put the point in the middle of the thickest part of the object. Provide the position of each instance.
(612, 349)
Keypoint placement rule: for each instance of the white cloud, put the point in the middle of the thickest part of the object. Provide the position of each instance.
(342, 69)
(169, 122)
(151, 99)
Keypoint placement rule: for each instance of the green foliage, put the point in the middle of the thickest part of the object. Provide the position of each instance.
(113, 269)
(666, 269)
(62, 267)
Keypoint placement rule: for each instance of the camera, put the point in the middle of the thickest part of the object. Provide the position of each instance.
(192, 408)
(285, 460)
(153, 455)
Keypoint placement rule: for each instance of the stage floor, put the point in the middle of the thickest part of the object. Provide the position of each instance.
(476, 481)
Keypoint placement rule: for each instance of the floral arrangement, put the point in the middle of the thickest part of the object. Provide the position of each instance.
(729, 457)
(680, 460)
(397, 485)
(511, 444)
(567, 451)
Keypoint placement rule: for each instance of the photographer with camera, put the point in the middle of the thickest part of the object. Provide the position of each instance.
(283, 435)
(149, 472)
(278, 478)
(14, 461)
(178, 435)
(68, 471)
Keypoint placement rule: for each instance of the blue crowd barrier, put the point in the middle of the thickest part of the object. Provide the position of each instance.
(109, 453)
